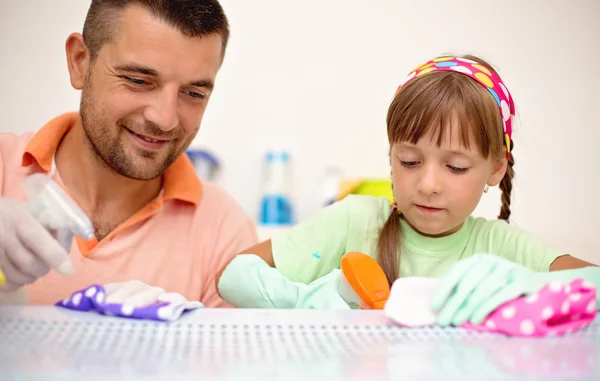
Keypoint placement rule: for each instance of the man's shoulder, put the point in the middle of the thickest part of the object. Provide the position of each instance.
(6, 137)
(13, 145)
(216, 203)
(12, 148)
(213, 193)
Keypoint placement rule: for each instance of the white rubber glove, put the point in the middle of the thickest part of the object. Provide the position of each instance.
(27, 250)
(135, 293)
(14, 298)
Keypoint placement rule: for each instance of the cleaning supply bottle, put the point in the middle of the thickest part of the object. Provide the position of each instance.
(276, 204)
(364, 284)
(58, 213)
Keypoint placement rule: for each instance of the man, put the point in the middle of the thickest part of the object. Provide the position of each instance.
(146, 70)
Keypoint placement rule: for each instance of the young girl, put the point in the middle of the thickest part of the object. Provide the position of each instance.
(450, 133)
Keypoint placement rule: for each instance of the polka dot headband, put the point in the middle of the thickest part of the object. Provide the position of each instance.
(481, 74)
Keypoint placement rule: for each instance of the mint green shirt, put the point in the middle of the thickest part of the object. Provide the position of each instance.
(314, 247)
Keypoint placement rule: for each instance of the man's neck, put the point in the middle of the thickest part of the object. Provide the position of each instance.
(107, 197)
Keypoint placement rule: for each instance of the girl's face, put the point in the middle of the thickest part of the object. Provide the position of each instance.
(437, 188)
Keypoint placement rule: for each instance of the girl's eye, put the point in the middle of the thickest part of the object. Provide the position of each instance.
(457, 170)
(409, 164)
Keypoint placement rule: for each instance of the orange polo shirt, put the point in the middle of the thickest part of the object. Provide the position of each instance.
(179, 241)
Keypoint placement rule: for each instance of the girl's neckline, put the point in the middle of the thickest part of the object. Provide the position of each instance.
(437, 246)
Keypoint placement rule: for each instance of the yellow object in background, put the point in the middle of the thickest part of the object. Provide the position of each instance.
(2, 278)
(371, 187)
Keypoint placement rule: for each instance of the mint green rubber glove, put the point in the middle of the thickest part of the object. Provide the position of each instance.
(249, 282)
(478, 285)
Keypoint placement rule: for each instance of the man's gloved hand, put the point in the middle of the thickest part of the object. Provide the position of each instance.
(17, 297)
(27, 250)
(135, 293)
(249, 282)
(476, 286)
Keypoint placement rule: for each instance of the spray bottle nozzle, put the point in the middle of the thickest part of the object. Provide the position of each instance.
(55, 210)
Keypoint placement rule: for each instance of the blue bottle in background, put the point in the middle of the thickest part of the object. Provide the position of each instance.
(276, 204)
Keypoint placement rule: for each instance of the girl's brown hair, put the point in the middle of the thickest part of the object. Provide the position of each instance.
(425, 106)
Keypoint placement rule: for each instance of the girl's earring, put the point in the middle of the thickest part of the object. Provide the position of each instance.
(486, 189)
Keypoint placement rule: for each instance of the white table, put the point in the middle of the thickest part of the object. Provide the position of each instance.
(47, 343)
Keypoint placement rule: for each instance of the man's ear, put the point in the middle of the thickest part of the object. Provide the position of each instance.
(78, 59)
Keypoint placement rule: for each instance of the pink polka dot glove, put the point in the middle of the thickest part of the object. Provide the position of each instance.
(557, 308)
(475, 287)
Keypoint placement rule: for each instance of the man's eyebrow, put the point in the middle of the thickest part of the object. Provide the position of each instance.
(137, 69)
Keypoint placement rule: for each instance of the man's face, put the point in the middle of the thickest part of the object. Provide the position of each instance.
(144, 96)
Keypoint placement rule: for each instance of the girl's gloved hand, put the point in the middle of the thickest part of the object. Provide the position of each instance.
(476, 286)
(249, 282)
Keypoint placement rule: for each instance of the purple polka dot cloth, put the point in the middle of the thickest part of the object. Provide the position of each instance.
(92, 299)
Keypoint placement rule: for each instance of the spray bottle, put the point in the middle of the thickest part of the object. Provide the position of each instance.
(58, 213)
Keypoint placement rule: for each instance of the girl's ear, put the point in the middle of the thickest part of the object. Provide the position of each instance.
(498, 171)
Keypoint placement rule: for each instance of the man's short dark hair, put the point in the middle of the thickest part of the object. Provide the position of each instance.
(193, 18)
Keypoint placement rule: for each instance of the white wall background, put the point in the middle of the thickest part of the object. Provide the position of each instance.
(316, 77)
